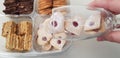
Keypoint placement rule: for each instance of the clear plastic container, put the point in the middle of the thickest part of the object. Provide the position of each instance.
(68, 12)
(84, 13)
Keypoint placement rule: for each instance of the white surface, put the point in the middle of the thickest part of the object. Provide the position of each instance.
(87, 48)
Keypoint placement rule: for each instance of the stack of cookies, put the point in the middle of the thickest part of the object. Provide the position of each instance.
(18, 36)
(45, 6)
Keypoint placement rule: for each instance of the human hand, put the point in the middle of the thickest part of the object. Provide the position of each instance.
(114, 7)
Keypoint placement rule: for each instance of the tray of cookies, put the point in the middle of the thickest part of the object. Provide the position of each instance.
(80, 25)
(22, 33)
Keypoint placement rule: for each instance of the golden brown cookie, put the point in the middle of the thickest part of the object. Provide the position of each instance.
(24, 27)
(8, 27)
(58, 3)
(46, 11)
(27, 42)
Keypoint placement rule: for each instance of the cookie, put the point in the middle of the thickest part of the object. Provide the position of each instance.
(75, 25)
(27, 42)
(57, 43)
(46, 47)
(57, 22)
(58, 3)
(8, 27)
(24, 27)
(46, 11)
(43, 37)
(93, 22)
(60, 35)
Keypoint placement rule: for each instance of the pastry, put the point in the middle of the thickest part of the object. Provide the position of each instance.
(95, 23)
(8, 27)
(18, 36)
(60, 35)
(58, 3)
(46, 47)
(24, 27)
(57, 43)
(43, 37)
(75, 25)
(57, 22)
(17, 7)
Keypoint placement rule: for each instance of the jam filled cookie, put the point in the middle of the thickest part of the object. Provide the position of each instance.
(43, 37)
(57, 43)
(74, 26)
(57, 22)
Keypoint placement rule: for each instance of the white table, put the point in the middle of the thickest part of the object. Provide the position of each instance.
(87, 48)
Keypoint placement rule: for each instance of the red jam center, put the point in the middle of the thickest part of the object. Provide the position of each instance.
(75, 24)
(54, 23)
(92, 23)
(59, 41)
(44, 38)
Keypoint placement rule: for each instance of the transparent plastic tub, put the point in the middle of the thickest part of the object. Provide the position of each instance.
(38, 19)
(83, 13)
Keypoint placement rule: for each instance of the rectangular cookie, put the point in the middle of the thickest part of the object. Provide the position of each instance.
(27, 42)
(8, 27)
(24, 27)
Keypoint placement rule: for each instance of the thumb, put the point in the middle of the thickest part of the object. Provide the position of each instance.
(112, 37)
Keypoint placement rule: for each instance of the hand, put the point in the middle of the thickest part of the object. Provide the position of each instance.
(114, 7)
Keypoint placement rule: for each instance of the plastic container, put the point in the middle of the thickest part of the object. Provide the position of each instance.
(84, 13)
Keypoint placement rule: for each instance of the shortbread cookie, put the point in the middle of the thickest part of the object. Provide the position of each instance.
(57, 43)
(58, 3)
(45, 11)
(8, 27)
(43, 37)
(46, 47)
(57, 22)
(75, 25)
(43, 4)
(60, 35)
(24, 27)
(93, 22)
(27, 42)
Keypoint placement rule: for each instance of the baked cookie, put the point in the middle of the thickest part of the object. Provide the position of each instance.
(57, 22)
(57, 43)
(27, 40)
(60, 35)
(46, 11)
(43, 37)
(58, 3)
(94, 24)
(75, 25)
(8, 27)
(46, 47)
(24, 27)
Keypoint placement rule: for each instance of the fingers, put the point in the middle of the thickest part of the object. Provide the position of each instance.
(112, 37)
(111, 5)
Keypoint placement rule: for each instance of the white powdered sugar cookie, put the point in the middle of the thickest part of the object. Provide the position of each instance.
(57, 22)
(43, 37)
(57, 43)
(60, 35)
(46, 47)
(75, 25)
(93, 22)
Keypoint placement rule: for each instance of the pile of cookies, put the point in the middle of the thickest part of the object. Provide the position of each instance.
(18, 6)
(54, 30)
(45, 6)
(18, 36)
